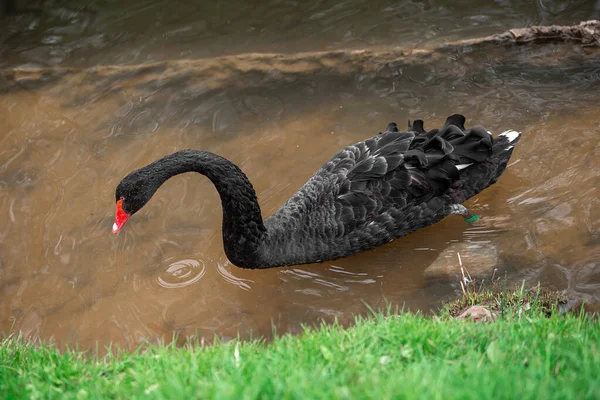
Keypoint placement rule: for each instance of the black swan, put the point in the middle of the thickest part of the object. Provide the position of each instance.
(368, 194)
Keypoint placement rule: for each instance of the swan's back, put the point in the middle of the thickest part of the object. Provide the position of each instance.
(374, 191)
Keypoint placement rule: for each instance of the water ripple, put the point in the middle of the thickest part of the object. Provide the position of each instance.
(182, 273)
(223, 269)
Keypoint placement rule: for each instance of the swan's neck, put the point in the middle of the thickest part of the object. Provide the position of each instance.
(243, 228)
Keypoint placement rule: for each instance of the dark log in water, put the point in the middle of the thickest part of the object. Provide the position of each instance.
(587, 32)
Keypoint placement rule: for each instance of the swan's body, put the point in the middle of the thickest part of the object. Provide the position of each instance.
(368, 194)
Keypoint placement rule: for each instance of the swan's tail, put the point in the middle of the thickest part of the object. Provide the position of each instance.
(506, 141)
(503, 146)
(502, 149)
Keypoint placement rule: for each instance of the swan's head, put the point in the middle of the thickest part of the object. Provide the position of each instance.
(132, 193)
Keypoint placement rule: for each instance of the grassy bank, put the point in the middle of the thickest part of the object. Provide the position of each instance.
(523, 354)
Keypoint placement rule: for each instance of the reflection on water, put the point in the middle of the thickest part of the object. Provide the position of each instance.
(70, 134)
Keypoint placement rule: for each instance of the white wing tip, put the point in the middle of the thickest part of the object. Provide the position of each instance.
(462, 166)
(511, 135)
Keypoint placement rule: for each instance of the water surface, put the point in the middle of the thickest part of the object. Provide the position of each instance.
(88, 94)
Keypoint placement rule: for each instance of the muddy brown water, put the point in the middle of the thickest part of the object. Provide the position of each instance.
(87, 95)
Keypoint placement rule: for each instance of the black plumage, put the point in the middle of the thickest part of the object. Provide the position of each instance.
(366, 195)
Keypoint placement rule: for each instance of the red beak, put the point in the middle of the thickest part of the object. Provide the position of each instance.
(120, 217)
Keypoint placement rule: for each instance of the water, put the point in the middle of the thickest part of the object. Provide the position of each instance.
(88, 94)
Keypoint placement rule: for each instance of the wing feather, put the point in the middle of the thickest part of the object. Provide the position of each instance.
(394, 169)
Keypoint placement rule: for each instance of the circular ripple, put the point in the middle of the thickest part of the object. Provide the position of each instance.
(182, 273)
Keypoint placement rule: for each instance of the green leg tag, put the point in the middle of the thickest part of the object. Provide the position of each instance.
(474, 218)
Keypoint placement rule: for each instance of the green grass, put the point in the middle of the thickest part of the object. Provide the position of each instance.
(522, 355)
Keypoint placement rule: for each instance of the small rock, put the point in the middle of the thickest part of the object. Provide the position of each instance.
(478, 314)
